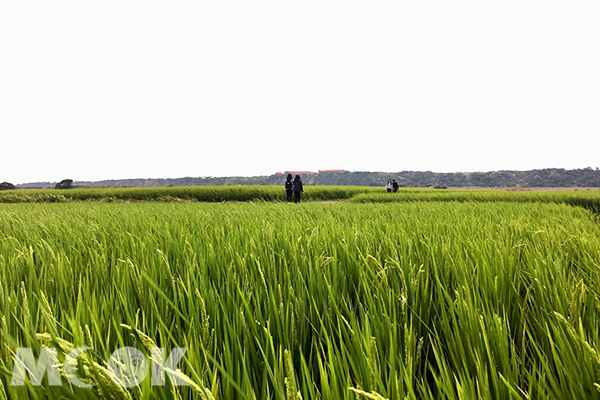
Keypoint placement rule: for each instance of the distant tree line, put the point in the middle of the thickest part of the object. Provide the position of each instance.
(551, 177)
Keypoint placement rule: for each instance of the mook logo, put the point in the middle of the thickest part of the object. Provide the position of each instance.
(127, 367)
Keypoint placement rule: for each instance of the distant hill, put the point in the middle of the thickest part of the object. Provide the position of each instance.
(551, 177)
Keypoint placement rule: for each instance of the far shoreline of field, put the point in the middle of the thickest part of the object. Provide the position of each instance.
(507, 188)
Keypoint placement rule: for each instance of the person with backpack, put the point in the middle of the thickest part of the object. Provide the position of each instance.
(394, 186)
(289, 188)
(297, 188)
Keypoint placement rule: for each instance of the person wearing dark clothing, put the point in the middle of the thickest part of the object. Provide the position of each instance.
(394, 186)
(297, 188)
(289, 188)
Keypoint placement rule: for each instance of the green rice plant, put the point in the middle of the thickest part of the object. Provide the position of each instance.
(187, 193)
(332, 300)
(589, 199)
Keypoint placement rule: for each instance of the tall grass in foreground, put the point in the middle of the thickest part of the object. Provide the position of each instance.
(333, 301)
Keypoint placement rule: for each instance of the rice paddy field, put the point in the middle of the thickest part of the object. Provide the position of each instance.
(188, 193)
(421, 294)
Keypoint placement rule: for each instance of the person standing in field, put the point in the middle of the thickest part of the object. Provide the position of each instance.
(389, 186)
(289, 188)
(297, 188)
(394, 186)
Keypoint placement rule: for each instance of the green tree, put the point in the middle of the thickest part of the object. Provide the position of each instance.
(64, 184)
(7, 186)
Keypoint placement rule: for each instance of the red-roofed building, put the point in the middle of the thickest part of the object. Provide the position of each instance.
(301, 172)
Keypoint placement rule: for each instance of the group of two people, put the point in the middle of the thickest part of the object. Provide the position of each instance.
(391, 186)
(294, 187)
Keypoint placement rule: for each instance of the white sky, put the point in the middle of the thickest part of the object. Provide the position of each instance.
(141, 89)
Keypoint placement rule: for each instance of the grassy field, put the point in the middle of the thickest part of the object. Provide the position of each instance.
(589, 199)
(453, 299)
(186, 193)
